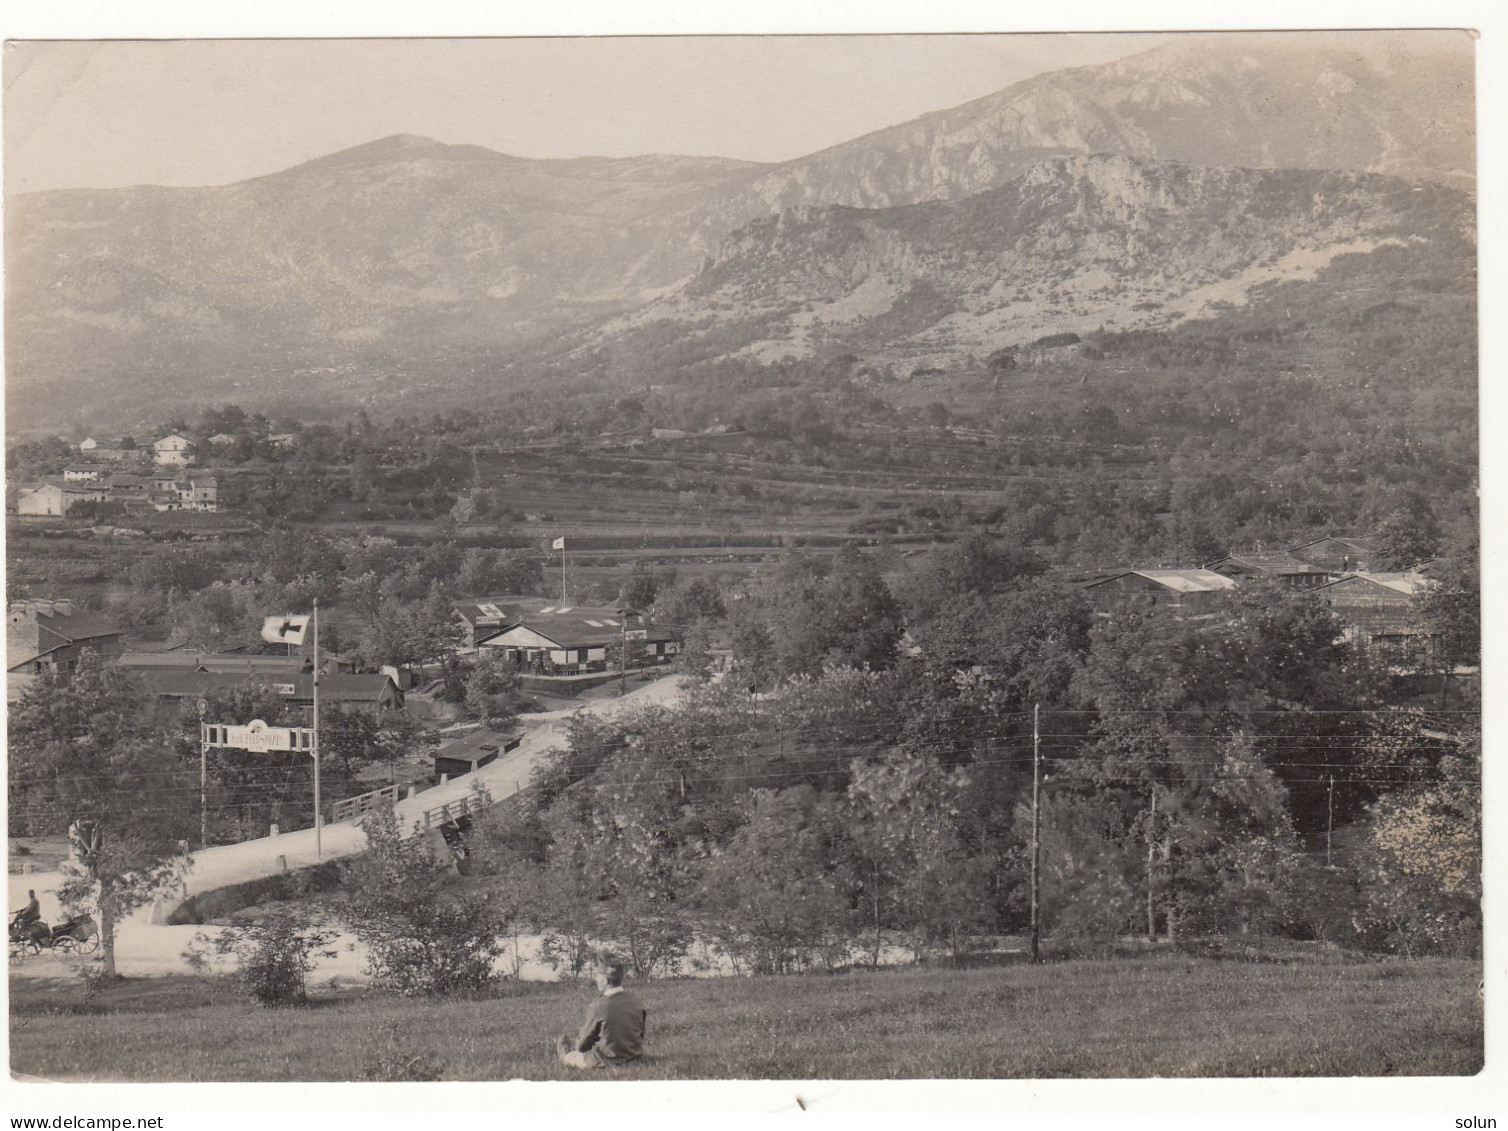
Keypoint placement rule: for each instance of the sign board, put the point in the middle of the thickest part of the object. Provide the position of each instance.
(259, 738)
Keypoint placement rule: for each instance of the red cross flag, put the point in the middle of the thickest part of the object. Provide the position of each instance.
(284, 630)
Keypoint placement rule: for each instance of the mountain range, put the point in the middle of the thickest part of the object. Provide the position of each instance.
(1159, 187)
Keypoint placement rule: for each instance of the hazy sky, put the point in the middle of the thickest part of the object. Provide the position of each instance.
(196, 112)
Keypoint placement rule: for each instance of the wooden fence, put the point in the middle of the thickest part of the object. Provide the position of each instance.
(473, 802)
(353, 807)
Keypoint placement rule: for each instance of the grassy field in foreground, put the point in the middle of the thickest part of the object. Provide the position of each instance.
(1152, 1017)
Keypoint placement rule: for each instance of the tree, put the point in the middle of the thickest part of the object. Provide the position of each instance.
(357, 737)
(695, 657)
(640, 587)
(492, 690)
(225, 615)
(423, 934)
(86, 755)
(780, 896)
(1424, 867)
(847, 617)
(915, 872)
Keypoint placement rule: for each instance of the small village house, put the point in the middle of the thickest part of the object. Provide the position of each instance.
(174, 450)
(1379, 612)
(373, 692)
(1282, 567)
(86, 472)
(109, 450)
(554, 640)
(47, 500)
(472, 751)
(1339, 554)
(50, 636)
(484, 617)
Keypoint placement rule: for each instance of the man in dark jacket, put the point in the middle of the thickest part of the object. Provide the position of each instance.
(613, 1032)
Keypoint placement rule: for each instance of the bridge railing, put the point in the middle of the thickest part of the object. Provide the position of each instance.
(471, 803)
(353, 807)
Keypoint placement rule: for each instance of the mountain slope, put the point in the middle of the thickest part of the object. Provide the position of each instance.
(1389, 103)
(1070, 246)
(409, 255)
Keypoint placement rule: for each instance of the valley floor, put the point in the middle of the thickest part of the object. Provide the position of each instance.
(1160, 1016)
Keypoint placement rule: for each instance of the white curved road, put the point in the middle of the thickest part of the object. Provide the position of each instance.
(144, 948)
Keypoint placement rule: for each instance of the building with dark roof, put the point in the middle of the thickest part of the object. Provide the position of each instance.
(472, 750)
(1339, 553)
(371, 692)
(43, 636)
(1280, 566)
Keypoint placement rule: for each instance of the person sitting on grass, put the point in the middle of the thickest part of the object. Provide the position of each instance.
(613, 1033)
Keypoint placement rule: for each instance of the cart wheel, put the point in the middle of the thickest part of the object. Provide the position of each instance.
(65, 944)
(89, 945)
(17, 954)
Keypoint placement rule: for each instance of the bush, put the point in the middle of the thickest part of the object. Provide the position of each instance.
(422, 937)
(273, 955)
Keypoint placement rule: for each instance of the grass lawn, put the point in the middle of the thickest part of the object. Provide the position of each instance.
(1160, 1016)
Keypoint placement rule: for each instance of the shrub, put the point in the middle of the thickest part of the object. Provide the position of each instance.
(422, 937)
(274, 955)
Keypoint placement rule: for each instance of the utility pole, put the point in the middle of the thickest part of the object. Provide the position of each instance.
(622, 653)
(1151, 864)
(203, 777)
(1329, 816)
(319, 851)
(1036, 931)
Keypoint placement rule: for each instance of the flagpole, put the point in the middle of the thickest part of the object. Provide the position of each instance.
(562, 572)
(314, 738)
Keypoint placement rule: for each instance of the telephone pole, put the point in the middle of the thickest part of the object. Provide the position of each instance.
(319, 850)
(1036, 930)
(1151, 864)
(1329, 816)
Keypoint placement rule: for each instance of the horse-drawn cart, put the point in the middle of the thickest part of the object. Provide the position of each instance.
(79, 935)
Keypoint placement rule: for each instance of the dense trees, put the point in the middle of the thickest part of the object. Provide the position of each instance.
(850, 810)
(88, 755)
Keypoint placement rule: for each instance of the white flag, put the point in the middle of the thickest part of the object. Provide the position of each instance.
(558, 544)
(284, 630)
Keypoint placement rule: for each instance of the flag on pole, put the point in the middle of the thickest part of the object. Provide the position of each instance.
(558, 544)
(284, 630)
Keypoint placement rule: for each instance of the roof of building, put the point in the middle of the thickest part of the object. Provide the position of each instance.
(489, 610)
(183, 437)
(184, 682)
(475, 746)
(1267, 561)
(241, 663)
(1406, 584)
(575, 629)
(343, 687)
(1178, 580)
(46, 631)
(1366, 543)
(94, 468)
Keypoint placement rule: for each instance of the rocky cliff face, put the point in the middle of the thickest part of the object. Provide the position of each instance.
(1071, 245)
